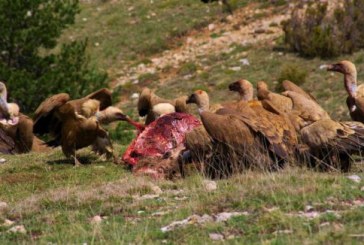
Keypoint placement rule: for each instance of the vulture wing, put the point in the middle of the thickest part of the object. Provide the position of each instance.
(309, 109)
(104, 96)
(290, 86)
(7, 143)
(345, 137)
(45, 120)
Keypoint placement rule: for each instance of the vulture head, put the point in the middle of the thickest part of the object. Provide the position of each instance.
(244, 88)
(200, 98)
(110, 114)
(344, 67)
(350, 75)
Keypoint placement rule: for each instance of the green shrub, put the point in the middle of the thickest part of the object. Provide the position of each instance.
(292, 73)
(317, 32)
(29, 31)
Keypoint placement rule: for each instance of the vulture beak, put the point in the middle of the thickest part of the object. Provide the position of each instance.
(120, 116)
(234, 86)
(333, 67)
(191, 99)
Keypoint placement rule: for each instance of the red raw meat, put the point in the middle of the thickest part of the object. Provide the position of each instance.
(159, 137)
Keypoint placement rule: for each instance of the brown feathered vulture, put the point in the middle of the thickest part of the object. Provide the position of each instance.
(355, 99)
(16, 129)
(324, 143)
(74, 124)
(152, 106)
(245, 136)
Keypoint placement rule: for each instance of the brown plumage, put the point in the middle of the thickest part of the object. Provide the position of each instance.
(76, 124)
(290, 86)
(245, 133)
(148, 99)
(355, 99)
(280, 102)
(16, 128)
(332, 143)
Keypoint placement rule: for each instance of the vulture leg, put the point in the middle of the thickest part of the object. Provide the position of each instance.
(76, 162)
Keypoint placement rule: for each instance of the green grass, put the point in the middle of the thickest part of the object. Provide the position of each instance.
(55, 203)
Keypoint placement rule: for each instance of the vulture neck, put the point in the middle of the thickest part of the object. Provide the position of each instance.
(351, 84)
(247, 95)
(203, 105)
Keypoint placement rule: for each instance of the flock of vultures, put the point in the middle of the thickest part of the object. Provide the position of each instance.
(267, 132)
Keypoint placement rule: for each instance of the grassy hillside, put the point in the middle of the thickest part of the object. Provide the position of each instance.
(102, 203)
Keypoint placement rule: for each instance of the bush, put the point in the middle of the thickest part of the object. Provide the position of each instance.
(292, 73)
(318, 32)
(30, 30)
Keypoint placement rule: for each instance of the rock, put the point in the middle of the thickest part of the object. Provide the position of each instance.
(354, 178)
(209, 185)
(230, 18)
(7, 223)
(308, 208)
(2, 160)
(134, 96)
(96, 220)
(216, 237)
(235, 68)
(146, 197)
(309, 215)
(156, 189)
(140, 212)
(225, 216)
(283, 232)
(18, 229)
(211, 27)
(325, 224)
(245, 62)
(322, 67)
(3, 206)
(84, 19)
(259, 31)
(362, 188)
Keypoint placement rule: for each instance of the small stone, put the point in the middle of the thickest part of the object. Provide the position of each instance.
(235, 68)
(96, 220)
(230, 18)
(97, 44)
(211, 27)
(3, 206)
(283, 232)
(8, 222)
(146, 197)
(225, 216)
(209, 185)
(245, 62)
(141, 212)
(354, 178)
(134, 96)
(325, 224)
(84, 19)
(156, 189)
(362, 188)
(324, 66)
(309, 208)
(216, 237)
(2, 160)
(18, 229)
